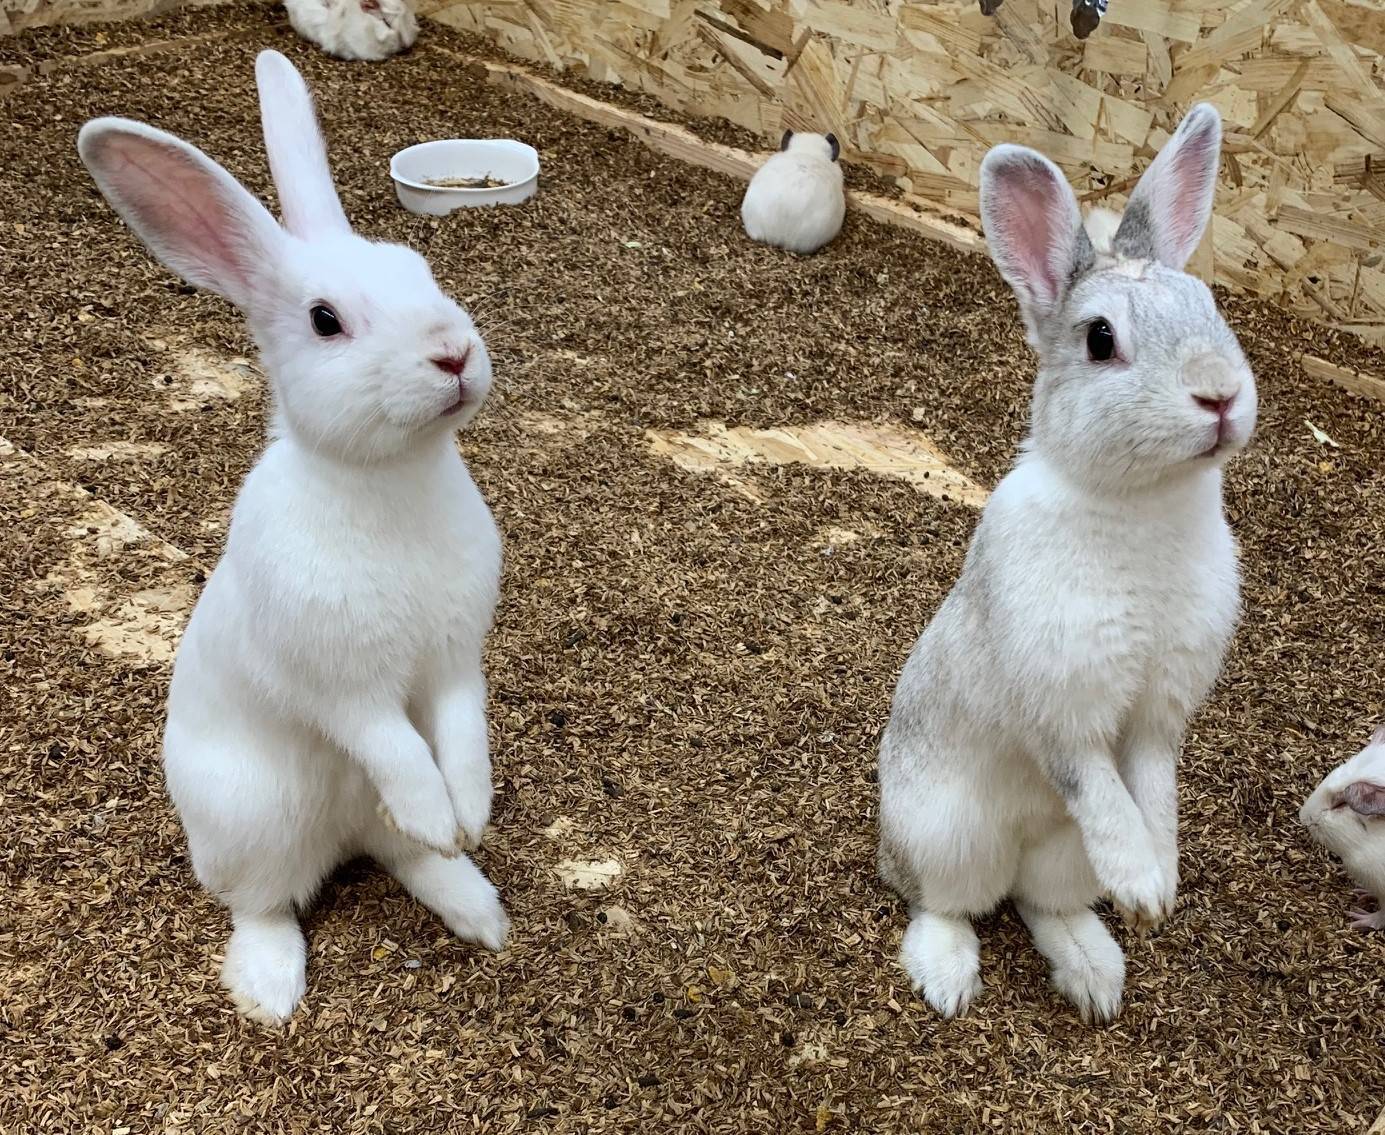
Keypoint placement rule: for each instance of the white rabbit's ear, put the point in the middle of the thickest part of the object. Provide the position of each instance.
(297, 152)
(1365, 798)
(1378, 737)
(1172, 203)
(194, 216)
(1033, 228)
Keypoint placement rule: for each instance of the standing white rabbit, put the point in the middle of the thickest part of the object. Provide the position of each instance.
(355, 29)
(1346, 814)
(327, 698)
(1032, 747)
(795, 200)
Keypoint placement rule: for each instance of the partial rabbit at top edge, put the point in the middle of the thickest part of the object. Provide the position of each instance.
(795, 200)
(370, 30)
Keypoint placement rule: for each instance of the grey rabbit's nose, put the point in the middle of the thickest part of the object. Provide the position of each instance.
(1219, 405)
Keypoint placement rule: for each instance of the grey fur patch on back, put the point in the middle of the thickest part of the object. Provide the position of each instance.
(1134, 238)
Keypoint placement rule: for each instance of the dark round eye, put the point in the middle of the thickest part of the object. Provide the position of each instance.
(325, 321)
(1101, 341)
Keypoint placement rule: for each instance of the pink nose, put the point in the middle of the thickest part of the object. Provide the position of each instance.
(452, 364)
(1218, 406)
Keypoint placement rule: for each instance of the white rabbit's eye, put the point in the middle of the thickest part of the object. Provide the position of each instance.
(1101, 341)
(325, 321)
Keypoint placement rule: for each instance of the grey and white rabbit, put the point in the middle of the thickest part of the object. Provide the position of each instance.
(796, 200)
(1036, 727)
(355, 29)
(1346, 814)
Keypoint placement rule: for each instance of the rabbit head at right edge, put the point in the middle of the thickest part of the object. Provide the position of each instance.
(1140, 379)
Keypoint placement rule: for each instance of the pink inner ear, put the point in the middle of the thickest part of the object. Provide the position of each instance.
(370, 5)
(181, 209)
(1365, 798)
(1030, 223)
(1193, 168)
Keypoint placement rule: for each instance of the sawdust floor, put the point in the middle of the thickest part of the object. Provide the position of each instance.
(690, 669)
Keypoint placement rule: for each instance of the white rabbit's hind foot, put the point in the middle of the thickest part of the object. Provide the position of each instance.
(943, 958)
(1085, 963)
(457, 892)
(265, 970)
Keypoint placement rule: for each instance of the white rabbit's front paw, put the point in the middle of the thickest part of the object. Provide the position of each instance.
(425, 817)
(469, 786)
(1144, 897)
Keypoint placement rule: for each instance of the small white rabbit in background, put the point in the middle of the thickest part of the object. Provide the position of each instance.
(795, 200)
(327, 697)
(1036, 727)
(1346, 814)
(355, 29)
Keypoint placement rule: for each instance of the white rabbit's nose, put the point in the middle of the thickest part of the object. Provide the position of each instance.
(452, 364)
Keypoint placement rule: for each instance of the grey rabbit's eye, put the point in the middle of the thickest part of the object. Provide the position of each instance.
(1101, 341)
(325, 321)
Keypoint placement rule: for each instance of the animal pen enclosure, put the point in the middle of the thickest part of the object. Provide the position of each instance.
(732, 486)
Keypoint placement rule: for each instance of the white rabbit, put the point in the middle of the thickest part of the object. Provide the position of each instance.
(355, 29)
(795, 200)
(1032, 746)
(1346, 814)
(327, 698)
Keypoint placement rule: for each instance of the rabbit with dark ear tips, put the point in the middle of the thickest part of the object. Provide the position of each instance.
(796, 200)
(1346, 815)
(990, 7)
(836, 146)
(1085, 16)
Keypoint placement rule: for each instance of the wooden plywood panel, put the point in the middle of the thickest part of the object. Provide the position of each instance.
(918, 91)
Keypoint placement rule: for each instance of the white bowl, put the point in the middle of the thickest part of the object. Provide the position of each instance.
(514, 163)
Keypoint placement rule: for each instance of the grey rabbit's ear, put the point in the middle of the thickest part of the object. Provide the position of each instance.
(1172, 203)
(784, 142)
(836, 146)
(1033, 229)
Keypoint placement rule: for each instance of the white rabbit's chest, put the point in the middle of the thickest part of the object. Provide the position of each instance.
(365, 586)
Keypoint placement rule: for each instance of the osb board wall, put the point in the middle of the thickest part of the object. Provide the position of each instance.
(16, 15)
(919, 91)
